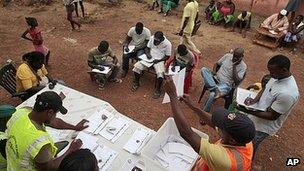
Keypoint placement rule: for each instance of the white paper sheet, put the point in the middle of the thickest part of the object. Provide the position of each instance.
(105, 156)
(145, 61)
(241, 96)
(137, 141)
(88, 141)
(131, 49)
(182, 149)
(114, 129)
(178, 80)
(105, 71)
(58, 135)
(98, 120)
(273, 32)
(170, 72)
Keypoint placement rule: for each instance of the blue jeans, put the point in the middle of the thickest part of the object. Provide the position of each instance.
(211, 85)
(259, 137)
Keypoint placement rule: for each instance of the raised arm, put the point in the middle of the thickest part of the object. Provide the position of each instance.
(182, 124)
(60, 124)
(24, 36)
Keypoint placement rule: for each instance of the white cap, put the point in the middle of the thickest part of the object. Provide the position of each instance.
(283, 12)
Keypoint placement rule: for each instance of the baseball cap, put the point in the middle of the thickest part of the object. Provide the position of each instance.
(283, 12)
(49, 100)
(239, 126)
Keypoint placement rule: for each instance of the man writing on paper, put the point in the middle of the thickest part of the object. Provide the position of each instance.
(220, 81)
(158, 49)
(279, 97)
(29, 146)
(277, 23)
(232, 152)
(101, 57)
(138, 37)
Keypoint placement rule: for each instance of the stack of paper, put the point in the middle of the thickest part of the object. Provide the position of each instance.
(241, 96)
(131, 49)
(176, 156)
(105, 71)
(98, 120)
(105, 156)
(179, 80)
(170, 72)
(145, 61)
(138, 141)
(88, 141)
(114, 129)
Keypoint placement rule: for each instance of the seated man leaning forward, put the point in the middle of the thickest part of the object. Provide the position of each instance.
(232, 152)
(277, 23)
(29, 146)
(137, 37)
(31, 75)
(101, 57)
(220, 81)
(158, 51)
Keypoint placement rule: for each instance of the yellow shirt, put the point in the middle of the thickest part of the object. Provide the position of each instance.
(190, 11)
(26, 79)
(246, 18)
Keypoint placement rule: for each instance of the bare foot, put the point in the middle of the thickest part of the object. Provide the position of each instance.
(218, 95)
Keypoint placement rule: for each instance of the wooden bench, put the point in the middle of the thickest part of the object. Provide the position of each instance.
(265, 38)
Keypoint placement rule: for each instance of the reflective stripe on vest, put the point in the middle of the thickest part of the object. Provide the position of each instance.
(25, 162)
(238, 158)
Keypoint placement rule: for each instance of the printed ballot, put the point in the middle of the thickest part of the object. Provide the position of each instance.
(241, 96)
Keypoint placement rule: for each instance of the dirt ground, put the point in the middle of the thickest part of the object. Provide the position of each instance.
(69, 54)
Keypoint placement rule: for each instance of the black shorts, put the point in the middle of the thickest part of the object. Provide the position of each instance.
(70, 8)
(241, 24)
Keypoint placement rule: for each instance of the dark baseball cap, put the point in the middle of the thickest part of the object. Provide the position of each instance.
(238, 126)
(49, 100)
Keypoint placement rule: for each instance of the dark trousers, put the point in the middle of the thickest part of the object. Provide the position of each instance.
(126, 58)
(259, 137)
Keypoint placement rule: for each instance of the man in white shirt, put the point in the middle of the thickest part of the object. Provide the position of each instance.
(227, 73)
(137, 37)
(158, 49)
(278, 98)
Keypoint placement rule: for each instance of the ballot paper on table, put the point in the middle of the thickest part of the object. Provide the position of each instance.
(138, 141)
(98, 120)
(145, 61)
(170, 72)
(273, 32)
(176, 156)
(58, 135)
(105, 71)
(114, 129)
(88, 141)
(105, 156)
(178, 80)
(131, 49)
(241, 96)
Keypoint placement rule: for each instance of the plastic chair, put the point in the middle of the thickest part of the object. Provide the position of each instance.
(8, 80)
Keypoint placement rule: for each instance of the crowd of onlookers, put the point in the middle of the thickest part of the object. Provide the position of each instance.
(241, 130)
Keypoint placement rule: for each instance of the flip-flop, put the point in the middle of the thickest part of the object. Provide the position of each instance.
(134, 87)
(156, 95)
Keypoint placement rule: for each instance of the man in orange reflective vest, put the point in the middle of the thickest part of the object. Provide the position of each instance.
(233, 152)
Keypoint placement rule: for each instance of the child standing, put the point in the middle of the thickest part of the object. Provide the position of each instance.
(36, 38)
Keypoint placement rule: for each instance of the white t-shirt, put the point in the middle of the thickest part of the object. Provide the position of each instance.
(139, 39)
(160, 51)
(281, 96)
(225, 73)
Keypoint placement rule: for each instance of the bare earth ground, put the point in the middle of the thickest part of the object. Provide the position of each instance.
(68, 62)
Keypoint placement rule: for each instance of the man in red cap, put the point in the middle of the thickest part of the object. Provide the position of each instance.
(29, 146)
(234, 149)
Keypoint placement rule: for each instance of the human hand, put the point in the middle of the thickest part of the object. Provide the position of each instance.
(75, 145)
(249, 101)
(149, 56)
(173, 69)
(101, 68)
(169, 87)
(126, 48)
(81, 125)
(155, 61)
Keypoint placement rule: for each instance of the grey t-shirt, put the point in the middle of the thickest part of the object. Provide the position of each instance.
(281, 96)
(225, 73)
(186, 60)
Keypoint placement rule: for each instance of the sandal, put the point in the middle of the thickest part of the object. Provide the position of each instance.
(134, 87)
(156, 94)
